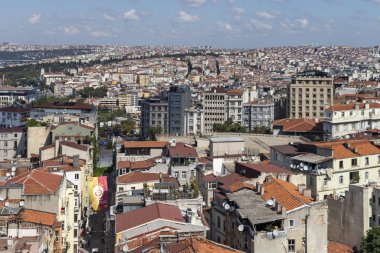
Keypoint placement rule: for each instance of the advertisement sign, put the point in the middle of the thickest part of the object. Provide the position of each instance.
(98, 192)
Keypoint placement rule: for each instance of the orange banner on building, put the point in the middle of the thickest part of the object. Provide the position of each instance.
(98, 193)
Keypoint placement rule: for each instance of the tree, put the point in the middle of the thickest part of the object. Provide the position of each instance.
(127, 126)
(153, 131)
(371, 242)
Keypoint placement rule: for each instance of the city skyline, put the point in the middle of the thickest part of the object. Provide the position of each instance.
(219, 23)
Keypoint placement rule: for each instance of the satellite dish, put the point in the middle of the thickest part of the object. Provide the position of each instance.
(232, 208)
(270, 202)
(301, 164)
(224, 203)
(291, 166)
(125, 248)
(227, 206)
(22, 203)
(6, 203)
(13, 173)
(301, 168)
(305, 167)
(13, 169)
(8, 174)
(241, 228)
(18, 156)
(275, 232)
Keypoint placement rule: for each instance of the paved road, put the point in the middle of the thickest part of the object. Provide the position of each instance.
(105, 157)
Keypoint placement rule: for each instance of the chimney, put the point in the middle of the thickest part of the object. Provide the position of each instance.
(357, 106)
(307, 193)
(76, 161)
(262, 189)
(301, 188)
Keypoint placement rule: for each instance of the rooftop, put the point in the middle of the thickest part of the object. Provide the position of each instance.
(226, 139)
(182, 150)
(145, 144)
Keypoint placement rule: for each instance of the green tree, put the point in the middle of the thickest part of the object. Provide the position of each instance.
(195, 187)
(127, 126)
(371, 242)
(153, 131)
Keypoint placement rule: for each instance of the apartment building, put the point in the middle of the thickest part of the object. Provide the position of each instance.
(346, 119)
(234, 102)
(330, 167)
(258, 114)
(12, 143)
(154, 113)
(179, 99)
(14, 116)
(214, 106)
(10, 94)
(309, 93)
(194, 121)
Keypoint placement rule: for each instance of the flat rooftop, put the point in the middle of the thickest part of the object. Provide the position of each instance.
(226, 139)
(253, 207)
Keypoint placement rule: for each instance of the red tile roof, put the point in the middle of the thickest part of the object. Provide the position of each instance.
(351, 106)
(284, 193)
(335, 247)
(298, 125)
(139, 165)
(350, 148)
(182, 150)
(145, 144)
(38, 217)
(225, 182)
(37, 182)
(138, 177)
(235, 92)
(74, 145)
(125, 221)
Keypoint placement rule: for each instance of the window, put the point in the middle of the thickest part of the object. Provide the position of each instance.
(176, 174)
(121, 189)
(311, 181)
(218, 221)
(378, 173)
(340, 164)
(76, 176)
(366, 161)
(325, 181)
(378, 159)
(15, 144)
(366, 175)
(354, 162)
(75, 232)
(212, 185)
(183, 174)
(291, 245)
(291, 223)
(340, 179)
(63, 225)
(5, 144)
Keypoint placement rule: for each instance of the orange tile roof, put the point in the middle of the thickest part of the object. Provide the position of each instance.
(240, 185)
(235, 92)
(350, 148)
(335, 247)
(37, 182)
(284, 193)
(298, 125)
(145, 144)
(351, 106)
(137, 177)
(38, 217)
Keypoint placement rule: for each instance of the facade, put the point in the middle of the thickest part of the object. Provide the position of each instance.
(309, 93)
(258, 114)
(14, 116)
(13, 142)
(226, 146)
(234, 102)
(214, 107)
(154, 113)
(194, 121)
(179, 99)
(10, 94)
(85, 113)
(183, 161)
(347, 119)
(357, 212)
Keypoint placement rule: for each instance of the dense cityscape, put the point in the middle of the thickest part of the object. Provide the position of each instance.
(190, 126)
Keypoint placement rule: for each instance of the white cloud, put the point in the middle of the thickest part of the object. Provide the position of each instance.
(34, 19)
(99, 34)
(131, 15)
(238, 12)
(256, 25)
(303, 22)
(71, 30)
(186, 17)
(224, 26)
(266, 14)
(108, 17)
(195, 3)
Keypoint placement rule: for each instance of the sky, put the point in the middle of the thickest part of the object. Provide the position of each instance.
(216, 23)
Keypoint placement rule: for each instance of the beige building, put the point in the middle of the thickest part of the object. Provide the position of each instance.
(309, 93)
(235, 105)
(226, 146)
(214, 107)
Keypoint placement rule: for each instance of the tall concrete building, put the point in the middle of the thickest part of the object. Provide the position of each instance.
(214, 107)
(154, 113)
(309, 93)
(179, 100)
(258, 114)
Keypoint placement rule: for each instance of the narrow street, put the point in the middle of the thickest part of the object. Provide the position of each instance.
(99, 236)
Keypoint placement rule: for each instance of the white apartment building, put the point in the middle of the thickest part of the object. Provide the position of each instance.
(344, 119)
(194, 121)
(214, 107)
(13, 116)
(235, 105)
